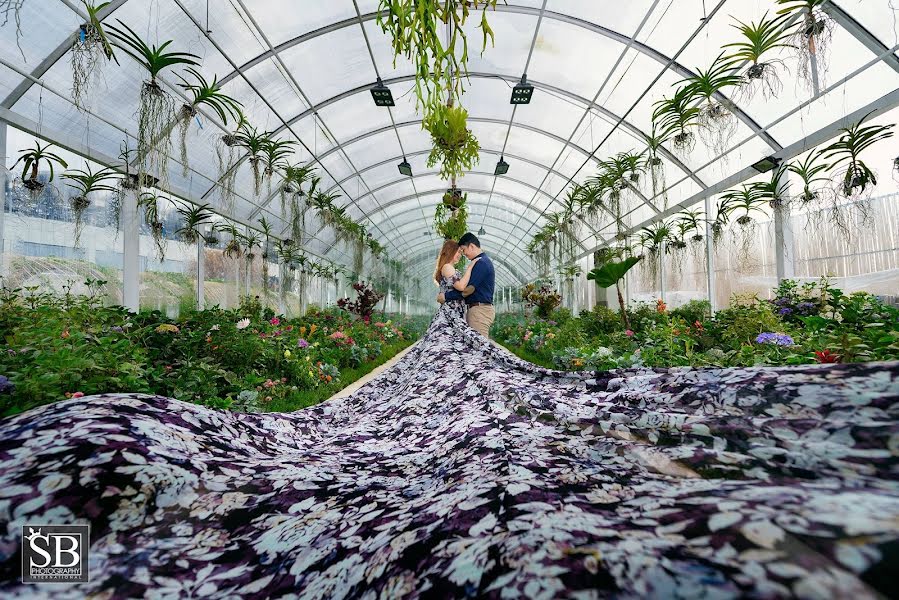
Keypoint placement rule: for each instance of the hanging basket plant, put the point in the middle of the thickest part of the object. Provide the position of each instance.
(275, 153)
(149, 203)
(202, 93)
(86, 183)
(758, 41)
(675, 118)
(451, 223)
(31, 160)
(745, 202)
(227, 151)
(193, 219)
(716, 119)
(90, 50)
(454, 146)
(453, 198)
(156, 111)
(255, 143)
(810, 39)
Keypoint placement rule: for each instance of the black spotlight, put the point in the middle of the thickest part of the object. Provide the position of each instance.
(522, 92)
(380, 93)
(481, 230)
(405, 168)
(502, 167)
(767, 163)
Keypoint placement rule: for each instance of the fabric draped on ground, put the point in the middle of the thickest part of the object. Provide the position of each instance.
(465, 471)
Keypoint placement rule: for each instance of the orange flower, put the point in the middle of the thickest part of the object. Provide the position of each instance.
(328, 378)
(661, 307)
(65, 334)
(303, 330)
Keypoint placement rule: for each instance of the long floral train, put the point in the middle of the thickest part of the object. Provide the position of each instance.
(464, 471)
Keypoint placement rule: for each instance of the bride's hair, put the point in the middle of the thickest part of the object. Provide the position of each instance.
(446, 256)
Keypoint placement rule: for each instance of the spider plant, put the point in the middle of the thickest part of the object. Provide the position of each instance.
(254, 143)
(808, 170)
(86, 182)
(716, 119)
(156, 106)
(746, 201)
(149, 203)
(675, 118)
(810, 38)
(31, 159)
(202, 93)
(856, 177)
(759, 40)
(275, 153)
(90, 48)
(193, 219)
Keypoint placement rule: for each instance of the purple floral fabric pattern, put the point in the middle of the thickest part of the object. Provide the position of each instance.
(464, 471)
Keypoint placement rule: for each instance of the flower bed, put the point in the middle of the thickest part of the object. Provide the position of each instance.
(810, 323)
(247, 359)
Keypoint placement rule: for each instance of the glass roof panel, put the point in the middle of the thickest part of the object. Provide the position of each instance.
(281, 24)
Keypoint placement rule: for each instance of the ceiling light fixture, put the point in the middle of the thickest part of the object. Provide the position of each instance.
(522, 92)
(405, 168)
(766, 164)
(380, 93)
(481, 230)
(502, 167)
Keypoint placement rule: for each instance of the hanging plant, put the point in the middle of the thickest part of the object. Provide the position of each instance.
(294, 177)
(454, 145)
(90, 48)
(233, 247)
(745, 202)
(855, 176)
(675, 118)
(540, 249)
(300, 209)
(689, 225)
(759, 40)
(149, 203)
(267, 234)
(254, 143)
(193, 219)
(452, 198)
(773, 190)
(452, 223)
(587, 197)
(654, 164)
(565, 237)
(275, 153)
(86, 182)
(716, 119)
(202, 93)
(810, 38)
(156, 110)
(896, 169)
(227, 151)
(809, 170)
(13, 8)
(32, 159)
(652, 239)
(416, 29)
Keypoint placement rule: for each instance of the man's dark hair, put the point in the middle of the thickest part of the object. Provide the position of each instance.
(469, 238)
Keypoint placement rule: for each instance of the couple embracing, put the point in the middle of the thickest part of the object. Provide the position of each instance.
(467, 296)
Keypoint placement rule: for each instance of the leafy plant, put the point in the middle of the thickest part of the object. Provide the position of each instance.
(856, 176)
(90, 48)
(255, 143)
(275, 153)
(451, 223)
(367, 299)
(747, 200)
(544, 298)
(226, 151)
(811, 38)
(149, 203)
(31, 160)
(156, 110)
(716, 119)
(416, 29)
(202, 93)
(194, 218)
(809, 170)
(454, 145)
(86, 182)
(759, 40)
(676, 117)
(611, 273)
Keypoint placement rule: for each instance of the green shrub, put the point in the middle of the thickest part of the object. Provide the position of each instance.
(693, 311)
(600, 321)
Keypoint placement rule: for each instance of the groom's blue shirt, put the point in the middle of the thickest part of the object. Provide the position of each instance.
(483, 278)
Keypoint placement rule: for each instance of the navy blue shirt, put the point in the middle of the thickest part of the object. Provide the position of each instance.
(483, 278)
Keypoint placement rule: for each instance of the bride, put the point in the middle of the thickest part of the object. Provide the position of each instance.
(448, 278)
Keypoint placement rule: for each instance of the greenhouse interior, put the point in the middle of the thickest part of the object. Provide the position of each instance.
(449, 298)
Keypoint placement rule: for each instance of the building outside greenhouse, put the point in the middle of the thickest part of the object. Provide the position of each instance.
(418, 298)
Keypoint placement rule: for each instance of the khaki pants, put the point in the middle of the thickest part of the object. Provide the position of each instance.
(480, 318)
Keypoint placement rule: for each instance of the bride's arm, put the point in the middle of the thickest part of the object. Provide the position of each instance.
(463, 283)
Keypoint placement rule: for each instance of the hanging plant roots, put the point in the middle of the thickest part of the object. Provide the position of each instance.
(684, 142)
(87, 57)
(79, 205)
(185, 115)
(226, 152)
(763, 76)
(813, 40)
(717, 124)
(13, 8)
(157, 230)
(745, 234)
(154, 142)
(255, 163)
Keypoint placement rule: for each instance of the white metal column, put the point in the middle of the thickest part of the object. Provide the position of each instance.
(130, 252)
(3, 180)
(662, 270)
(201, 268)
(784, 246)
(709, 254)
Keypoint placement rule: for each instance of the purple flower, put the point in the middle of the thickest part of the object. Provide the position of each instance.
(777, 339)
(6, 386)
(301, 343)
(806, 308)
(117, 329)
(785, 311)
(782, 301)
(11, 352)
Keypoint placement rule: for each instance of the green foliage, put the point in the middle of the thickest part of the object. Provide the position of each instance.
(544, 298)
(454, 145)
(32, 158)
(153, 58)
(451, 223)
(846, 153)
(612, 272)
(205, 93)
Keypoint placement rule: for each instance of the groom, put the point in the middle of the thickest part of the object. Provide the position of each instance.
(480, 304)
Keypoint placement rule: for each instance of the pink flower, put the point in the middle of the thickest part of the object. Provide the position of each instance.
(629, 333)
(275, 321)
(337, 335)
(77, 394)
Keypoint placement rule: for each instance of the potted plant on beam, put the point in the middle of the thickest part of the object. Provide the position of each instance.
(86, 182)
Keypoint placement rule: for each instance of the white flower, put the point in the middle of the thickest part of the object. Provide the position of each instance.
(216, 327)
(243, 324)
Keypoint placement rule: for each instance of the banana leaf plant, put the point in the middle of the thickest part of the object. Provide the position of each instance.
(156, 111)
(202, 93)
(32, 159)
(716, 118)
(759, 41)
(611, 273)
(86, 182)
(675, 118)
(89, 51)
(193, 219)
(810, 38)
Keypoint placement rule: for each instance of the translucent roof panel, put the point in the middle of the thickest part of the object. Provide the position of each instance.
(304, 74)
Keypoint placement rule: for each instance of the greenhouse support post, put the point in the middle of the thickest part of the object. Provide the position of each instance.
(130, 252)
(784, 246)
(709, 255)
(662, 271)
(201, 268)
(3, 179)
